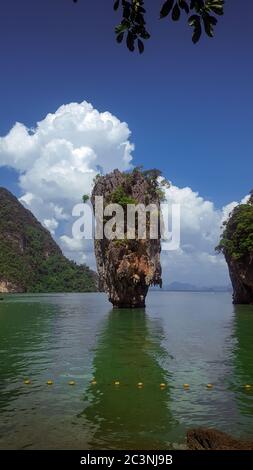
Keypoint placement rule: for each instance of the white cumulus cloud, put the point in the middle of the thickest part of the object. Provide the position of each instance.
(196, 261)
(58, 159)
(56, 162)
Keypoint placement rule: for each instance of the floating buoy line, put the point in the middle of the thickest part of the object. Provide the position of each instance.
(162, 386)
(248, 387)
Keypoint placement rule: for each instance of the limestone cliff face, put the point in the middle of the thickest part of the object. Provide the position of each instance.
(241, 275)
(237, 246)
(127, 268)
(8, 287)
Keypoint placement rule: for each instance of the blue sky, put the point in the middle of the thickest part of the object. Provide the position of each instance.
(189, 110)
(189, 107)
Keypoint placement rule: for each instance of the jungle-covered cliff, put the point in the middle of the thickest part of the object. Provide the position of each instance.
(30, 260)
(237, 246)
(127, 267)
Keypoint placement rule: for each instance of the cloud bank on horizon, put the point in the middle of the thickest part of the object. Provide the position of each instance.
(56, 163)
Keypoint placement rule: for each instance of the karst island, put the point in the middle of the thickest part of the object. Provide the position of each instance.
(129, 264)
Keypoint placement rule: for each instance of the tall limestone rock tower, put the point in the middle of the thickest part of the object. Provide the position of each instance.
(127, 267)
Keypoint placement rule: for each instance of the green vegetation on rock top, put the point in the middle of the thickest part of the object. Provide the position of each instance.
(120, 196)
(237, 238)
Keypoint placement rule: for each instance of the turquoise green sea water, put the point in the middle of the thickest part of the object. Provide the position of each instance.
(194, 338)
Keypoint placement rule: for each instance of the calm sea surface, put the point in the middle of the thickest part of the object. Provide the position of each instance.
(194, 338)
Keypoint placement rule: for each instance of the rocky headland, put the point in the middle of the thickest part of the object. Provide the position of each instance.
(237, 246)
(30, 259)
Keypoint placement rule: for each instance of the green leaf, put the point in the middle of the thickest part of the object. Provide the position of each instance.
(145, 35)
(126, 10)
(212, 20)
(140, 46)
(166, 8)
(120, 37)
(122, 27)
(116, 5)
(176, 13)
(184, 6)
(217, 6)
(130, 41)
(196, 5)
(193, 19)
(218, 9)
(208, 26)
(197, 32)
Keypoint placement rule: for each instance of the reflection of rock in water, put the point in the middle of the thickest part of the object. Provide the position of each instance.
(243, 360)
(125, 416)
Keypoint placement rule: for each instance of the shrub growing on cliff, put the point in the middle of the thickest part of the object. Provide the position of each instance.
(237, 238)
(155, 181)
(120, 196)
(85, 198)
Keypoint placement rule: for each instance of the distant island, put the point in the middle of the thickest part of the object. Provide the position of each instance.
(30, 260)
(185, 287)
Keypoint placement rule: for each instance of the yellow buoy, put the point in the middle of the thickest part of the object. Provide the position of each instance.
(27, 382)
(209, 386)
(116, 382)
(140, 384)
(162, 385)
(248, 387)
(72, 382)
(186, 385)
(50, 382)
(94, 382)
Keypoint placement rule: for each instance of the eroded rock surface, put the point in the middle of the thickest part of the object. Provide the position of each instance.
(211, 439)
(241, 275)
(7, 287)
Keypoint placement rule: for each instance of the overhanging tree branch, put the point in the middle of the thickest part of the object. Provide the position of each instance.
(132, 28)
